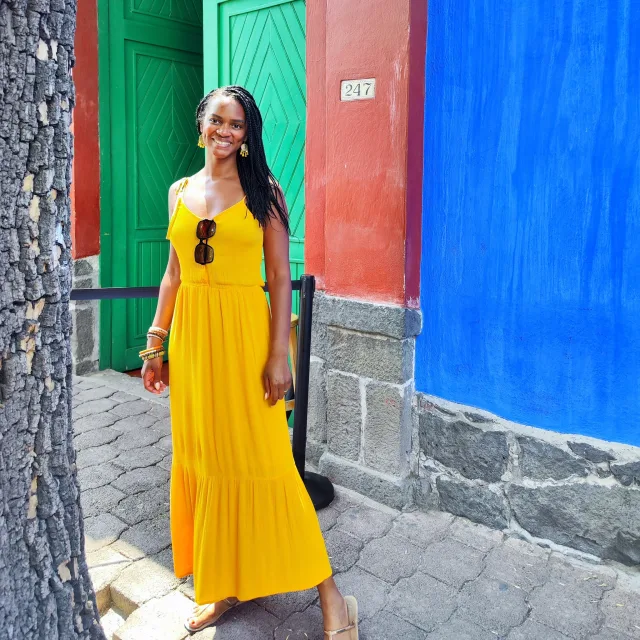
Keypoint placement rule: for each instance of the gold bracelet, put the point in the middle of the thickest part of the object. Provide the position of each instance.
(160, 330)
(150, 349)
(151, 356)
(148, 352)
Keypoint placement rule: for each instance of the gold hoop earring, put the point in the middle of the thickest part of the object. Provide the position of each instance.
(201, 142)
(244, 150)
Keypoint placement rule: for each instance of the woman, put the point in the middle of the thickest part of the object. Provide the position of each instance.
(241, 520)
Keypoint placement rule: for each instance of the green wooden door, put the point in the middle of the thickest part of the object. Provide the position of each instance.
(260, 44)
(151, 80)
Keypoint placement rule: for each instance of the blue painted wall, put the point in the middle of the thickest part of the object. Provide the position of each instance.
(531, 247)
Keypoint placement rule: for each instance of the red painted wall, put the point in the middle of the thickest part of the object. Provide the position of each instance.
(364, 158)
(85, 192)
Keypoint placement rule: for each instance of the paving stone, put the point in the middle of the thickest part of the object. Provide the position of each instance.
(96, 455)
(475, 535)
(344, 500)
(102, 530)
(95, 438)
(165, 463)
(145, 539)
(285, 604)
(593, 580)
(143, 506)
(144, 580)
(89, 423)
(612, 634)
(130, 409)
(137, 439)
(98, 476)
(370, 591)
(97, 393)
(105, 565)
(100, 500)
(569, 611)
(110, 622)
(188, 588)
(422, 601)
(165, 444)
(622, 611)
(519, 563)
(93, 407)
(344, 550)
(163, 426)
(138, 458)
(159, 410)
(495, 606)
(386, 626)
(86, 382)
(390, 558)
(161, 618)
(461, 629)
(365, 523)
(452, 562)
(134, 423)
(139, 480)
(246, 622)
(422, 528)
(299, 626)
(328, 518)
(121, 396)
(532, 630)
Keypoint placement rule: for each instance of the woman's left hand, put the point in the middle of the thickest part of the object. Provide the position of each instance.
(277, 378)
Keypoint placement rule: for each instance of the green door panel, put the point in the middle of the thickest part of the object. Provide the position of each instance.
(261, 46)
(151, 66)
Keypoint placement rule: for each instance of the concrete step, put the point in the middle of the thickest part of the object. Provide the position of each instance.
(159, 619)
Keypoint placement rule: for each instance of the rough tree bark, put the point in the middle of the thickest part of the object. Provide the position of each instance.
(45, 590)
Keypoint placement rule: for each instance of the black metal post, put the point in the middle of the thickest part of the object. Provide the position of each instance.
(320, 488)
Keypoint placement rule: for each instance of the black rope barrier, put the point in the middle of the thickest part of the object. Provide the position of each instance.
(320, 488)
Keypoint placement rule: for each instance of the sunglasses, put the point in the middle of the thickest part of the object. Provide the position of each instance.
(204, 253)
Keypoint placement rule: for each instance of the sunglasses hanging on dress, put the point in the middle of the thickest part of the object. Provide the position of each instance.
(204, 253)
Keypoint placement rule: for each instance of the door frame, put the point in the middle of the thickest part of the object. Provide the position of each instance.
(106, 195)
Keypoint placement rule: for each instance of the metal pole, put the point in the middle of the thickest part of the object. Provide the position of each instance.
(319, 488)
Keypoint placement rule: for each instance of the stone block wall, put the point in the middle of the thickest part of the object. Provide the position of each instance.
(85, 339)
(369, 430)
(571, 490)
(360, 426)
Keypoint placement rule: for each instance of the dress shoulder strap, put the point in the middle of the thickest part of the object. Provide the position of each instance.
(181, 186)
(179, 190)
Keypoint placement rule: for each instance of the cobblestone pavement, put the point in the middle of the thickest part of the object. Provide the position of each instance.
(416, 575)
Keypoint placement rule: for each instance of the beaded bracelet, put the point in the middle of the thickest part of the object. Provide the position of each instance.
(151, 355)
(163, 333)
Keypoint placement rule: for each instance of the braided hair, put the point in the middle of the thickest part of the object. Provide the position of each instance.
(264, 198)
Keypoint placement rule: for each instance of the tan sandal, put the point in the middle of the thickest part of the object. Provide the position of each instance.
(352, 627)
(200, 610)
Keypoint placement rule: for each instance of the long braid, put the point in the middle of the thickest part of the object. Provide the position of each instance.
(258, 183)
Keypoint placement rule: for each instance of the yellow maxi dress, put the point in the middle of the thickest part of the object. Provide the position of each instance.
(241, 520)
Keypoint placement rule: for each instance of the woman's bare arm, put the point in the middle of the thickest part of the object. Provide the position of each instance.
(278, 271)
(164, 309)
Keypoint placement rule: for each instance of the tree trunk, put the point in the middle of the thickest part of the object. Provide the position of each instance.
(45, 590)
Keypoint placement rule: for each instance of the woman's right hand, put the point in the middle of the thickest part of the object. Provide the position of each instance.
(152, 376)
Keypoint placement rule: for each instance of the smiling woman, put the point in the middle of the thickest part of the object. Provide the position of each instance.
(241, 518)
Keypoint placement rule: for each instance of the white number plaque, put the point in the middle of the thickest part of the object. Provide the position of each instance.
(358, 89)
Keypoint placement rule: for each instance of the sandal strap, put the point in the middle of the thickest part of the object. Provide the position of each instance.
(337, 631)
